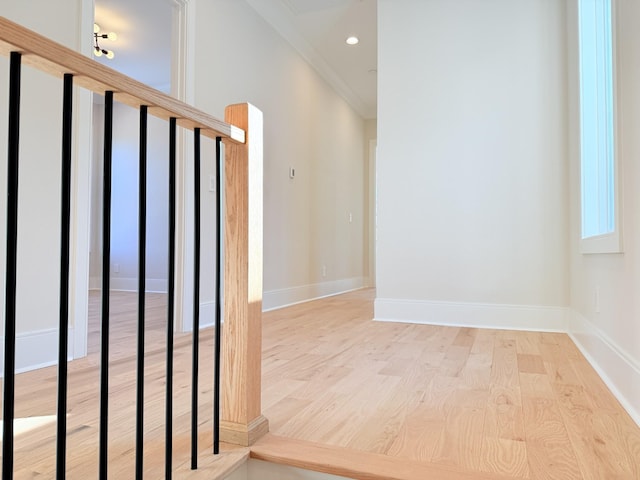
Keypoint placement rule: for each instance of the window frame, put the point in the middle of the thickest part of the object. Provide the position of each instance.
(610, 242)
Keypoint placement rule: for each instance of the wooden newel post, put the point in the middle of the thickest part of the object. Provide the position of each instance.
(242, 422)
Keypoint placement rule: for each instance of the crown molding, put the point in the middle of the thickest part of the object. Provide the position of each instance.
(281, 19)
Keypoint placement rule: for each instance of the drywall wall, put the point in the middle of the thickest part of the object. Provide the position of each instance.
(314, 233)
(39, 188)
(471, 166)
(313, 223)
(605, 303)
(124, 202)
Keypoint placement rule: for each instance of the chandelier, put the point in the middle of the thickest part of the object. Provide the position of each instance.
(98, 51)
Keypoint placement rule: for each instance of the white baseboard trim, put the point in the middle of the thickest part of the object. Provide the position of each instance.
(208, 314)
(154, 285)
(37, 349)
(481, 315)
(274, 299)
(271, 300)
(619, 370)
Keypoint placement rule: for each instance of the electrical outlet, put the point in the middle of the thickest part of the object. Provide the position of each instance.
(324, 270)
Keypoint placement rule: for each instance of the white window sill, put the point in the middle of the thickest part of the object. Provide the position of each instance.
(608, 243)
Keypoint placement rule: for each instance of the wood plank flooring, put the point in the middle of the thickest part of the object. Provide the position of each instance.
(36, 404)
(378, 400)
(523, 405)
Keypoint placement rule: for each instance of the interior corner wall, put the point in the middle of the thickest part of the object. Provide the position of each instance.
(471, 167)
(313, 223)
(605, 305)
(39, 185)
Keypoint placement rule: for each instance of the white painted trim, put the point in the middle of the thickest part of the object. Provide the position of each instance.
(617, 368)
(372, 204)
(480, 315)
(285, 297)
(207, 316)
(183, 88)
(607, 243)
(37, 349)
(81, 197)
(94, 283)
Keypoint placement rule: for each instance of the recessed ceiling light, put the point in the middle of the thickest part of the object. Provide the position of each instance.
(352, 40)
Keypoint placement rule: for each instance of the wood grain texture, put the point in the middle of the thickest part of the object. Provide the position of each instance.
(56, 59)
(242, 421)
(354, 463)
(349, 396)
(474, 402)
(36, 403)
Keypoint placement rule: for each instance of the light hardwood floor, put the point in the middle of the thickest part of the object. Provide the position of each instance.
(36, 403)
(520, 404)
(350, 396)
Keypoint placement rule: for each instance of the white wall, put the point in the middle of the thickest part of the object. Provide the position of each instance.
(472, 176)
(307, 126)
(609, 334)
(39, 188)
(240, 58)
(124, 202)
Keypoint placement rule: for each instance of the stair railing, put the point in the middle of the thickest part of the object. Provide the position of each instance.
(238, 373)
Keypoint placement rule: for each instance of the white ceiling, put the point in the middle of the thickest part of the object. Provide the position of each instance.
(317, 29)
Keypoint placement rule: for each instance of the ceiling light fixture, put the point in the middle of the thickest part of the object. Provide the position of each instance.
(352, 40)
(98, 51)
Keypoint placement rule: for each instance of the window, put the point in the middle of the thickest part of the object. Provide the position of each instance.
(597, 144)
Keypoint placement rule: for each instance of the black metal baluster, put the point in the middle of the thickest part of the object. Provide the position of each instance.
(170, 293)
(10, 287)
(65, 215)
(142, 248)
(216, 380)
(196, 298)
(106, 260)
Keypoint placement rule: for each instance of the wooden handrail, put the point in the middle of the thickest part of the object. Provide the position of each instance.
(53, 58)
(242, 421)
